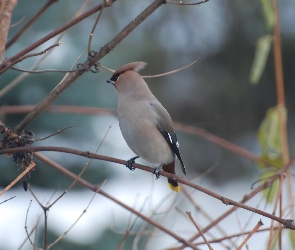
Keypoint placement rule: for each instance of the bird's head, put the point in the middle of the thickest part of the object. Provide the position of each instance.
(127, 75)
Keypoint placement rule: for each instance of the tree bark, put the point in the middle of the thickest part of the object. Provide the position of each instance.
(6, 7)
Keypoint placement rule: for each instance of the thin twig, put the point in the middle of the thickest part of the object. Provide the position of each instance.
(26, 238)
(21, 77)
(29, 23)
(94, 27)
(129, 224)
(95, 187)
(233, 236)
(49, 70)
(7, 200)
(106, 68)
(10, 61)
(57, 132)
(221, 142)
(82, 171)
(187, 4)
(56, 70)
(35, 54)
(45, 210)
(199, 229)
(26, 227)
(84, 211)
(173, 71)
(35, 197)
(32, 164)
(276, 204)
(202, 211)
(259, 224)
(17, 23)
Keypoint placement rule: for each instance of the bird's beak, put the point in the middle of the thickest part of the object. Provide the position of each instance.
(112, 82)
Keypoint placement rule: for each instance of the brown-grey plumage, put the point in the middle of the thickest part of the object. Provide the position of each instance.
(145, 124)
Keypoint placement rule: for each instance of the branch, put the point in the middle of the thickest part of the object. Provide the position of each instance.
(95, 188)
(9, 62)
(32, 165)
(199, 229)
(287, 223)
(254, 230)
(17, 109)
(29, 23)
(278, 63)
(187, 4)
(36, 54)
(173, 71)
(95, 24)
(69, 79)
(19, 78)
(221, 142)
(6, 7)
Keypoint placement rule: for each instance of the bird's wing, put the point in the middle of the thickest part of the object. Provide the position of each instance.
(165, 126)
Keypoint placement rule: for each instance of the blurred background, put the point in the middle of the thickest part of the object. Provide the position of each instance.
(214, 94)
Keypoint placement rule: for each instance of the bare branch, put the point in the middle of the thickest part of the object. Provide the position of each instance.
(153, 76)
(57, 132)
(67, 81)
(204, 213)
(6, 7)
(173, 71)
(187, 4)
(18, 178)
(50, 70)
(286, 223)
(106, 68)
(95, 188)
(233, 236)
(259, 224)
(18, 79)
(35, 54)
(82, 171)
(84, 211)
(94, 27)
(26, 227)
(199, 229)
(9, 62)
(29, 23)
(182, 127)
(222, 142)
(7, 200)
(17, 23)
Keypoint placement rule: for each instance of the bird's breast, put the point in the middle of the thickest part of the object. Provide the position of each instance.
(138, 126)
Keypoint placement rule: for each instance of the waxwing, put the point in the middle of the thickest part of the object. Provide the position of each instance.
(145, 124)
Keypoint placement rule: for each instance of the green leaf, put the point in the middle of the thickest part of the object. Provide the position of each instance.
(269, 135)
(268, 13)
(270, 192)
(260, 58)
(292, 238)
(275, 161)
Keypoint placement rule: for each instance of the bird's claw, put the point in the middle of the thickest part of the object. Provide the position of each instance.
(130, 162)
(156, 172)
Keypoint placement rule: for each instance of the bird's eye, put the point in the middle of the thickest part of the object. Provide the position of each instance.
(115, 77)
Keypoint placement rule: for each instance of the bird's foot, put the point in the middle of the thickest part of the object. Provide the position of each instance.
(129, 163)
(156, 171)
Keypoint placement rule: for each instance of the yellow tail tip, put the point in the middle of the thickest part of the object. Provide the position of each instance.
(174, 188)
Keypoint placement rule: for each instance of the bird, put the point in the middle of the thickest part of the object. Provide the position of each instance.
(144, 123)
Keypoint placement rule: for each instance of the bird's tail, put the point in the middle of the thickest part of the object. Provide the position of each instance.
(170, 168)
